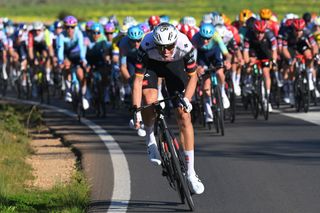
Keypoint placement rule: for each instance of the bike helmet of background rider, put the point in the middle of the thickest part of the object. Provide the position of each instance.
(89, 25)
(244, 15)
(317, 21)
(145, 27)
(250, 23)
(164, 18)
(96, 27)
(265, 13)
(70, 21)
(189, 20)
(307, 17)
(103, 20)
(298, 24)
(129, 21)
(113, 19)
(153, 21)
(206, 18)
(58, 24)
(38, 25)
(184, 28)
(192, 32)
(260, 26)
(222, 30)
(226, 19)
(206, 30)
(165, 34)
(135, 33)
(109, 28)
(217, 20)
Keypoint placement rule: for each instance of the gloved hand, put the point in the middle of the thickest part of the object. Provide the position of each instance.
(186, 105)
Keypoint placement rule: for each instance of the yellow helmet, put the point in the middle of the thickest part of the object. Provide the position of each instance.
(244, 15)
(265, 13)
(226, 19)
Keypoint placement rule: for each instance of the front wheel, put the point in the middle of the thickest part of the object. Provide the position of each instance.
(180, 171)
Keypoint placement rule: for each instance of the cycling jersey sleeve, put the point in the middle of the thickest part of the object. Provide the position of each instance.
(190, 62)
(48, 38)
(60, 48)
(30, 40)
(141, 61)
(82, 47)
(217, 38)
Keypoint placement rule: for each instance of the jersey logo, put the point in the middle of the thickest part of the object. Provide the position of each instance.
(185, 45)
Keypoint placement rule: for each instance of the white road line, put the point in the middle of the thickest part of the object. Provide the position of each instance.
(122, 181)
(312, 117)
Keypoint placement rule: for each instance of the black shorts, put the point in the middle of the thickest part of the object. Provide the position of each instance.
(173, 72)
(300, 47)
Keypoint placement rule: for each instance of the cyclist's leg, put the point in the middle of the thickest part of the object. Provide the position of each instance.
(309, 66)
(206, 87)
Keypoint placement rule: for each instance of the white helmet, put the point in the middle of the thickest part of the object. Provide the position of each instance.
(165, 34)
(38, 25)
(217, 20)
(103, 20)
(207, 18)
(317, 21)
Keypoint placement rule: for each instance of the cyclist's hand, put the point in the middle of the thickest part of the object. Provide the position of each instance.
(200, 70)
(186, 105)
(289, 61)
(137, 118)
(317, 57)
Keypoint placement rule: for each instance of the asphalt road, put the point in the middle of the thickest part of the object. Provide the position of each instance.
(258, 166)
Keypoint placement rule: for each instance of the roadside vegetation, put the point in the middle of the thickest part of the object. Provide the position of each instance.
(15, 195)
(49, 10)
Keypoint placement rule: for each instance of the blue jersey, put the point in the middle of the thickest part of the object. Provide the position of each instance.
(71, 46)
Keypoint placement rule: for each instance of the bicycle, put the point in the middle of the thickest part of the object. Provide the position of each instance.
(76, 94)
(301, 85)
(229, 88)
(172, 156)
(217, 105)
(260, 98)
(4, 79)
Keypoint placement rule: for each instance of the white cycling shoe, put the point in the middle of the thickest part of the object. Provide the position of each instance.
(225, 101)
(154, 155)
(68, 97)
(195, 184)
(85, 103)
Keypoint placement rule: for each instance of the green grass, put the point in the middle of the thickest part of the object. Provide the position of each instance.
(48, 10)
(15, 196)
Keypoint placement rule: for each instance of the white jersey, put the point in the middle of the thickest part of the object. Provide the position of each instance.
(182, 47)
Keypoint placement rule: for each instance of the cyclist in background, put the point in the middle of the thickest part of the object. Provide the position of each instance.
(261, 44)
(72, 52)
(167, 53)
(211, 52)
(40, 48)
(298, 40)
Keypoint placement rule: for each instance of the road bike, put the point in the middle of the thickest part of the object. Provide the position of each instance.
(172, 155)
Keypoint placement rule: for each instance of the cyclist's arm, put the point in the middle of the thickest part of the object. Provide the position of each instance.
(217, 38)
(285, 50)
(82, 47)
(140, 69)
(246, 47)
(60, 48)
(191, 68)
(30, 46)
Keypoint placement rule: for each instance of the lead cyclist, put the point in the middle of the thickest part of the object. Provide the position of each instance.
(167, 53)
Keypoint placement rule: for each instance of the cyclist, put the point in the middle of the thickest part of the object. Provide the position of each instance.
(210, 52)
(237, 60)
(167, 53)
(298, 39)
(261, 44)
(72, 51)
(40, 47)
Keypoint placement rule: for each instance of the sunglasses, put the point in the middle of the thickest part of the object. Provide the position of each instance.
(259, 32)
(70, 27)
(166, 47)
(96, 32)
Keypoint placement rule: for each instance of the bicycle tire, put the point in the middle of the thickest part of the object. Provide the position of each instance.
(181, 180)
(220, 110)
(265, 97)
(306, 94)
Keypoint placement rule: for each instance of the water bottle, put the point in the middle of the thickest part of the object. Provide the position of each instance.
(141, 132)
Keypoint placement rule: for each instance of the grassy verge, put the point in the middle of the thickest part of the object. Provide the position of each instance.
(15, 196)
(50, 10)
